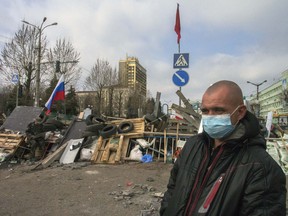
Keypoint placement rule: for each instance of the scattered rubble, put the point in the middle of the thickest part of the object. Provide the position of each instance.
(142, 195)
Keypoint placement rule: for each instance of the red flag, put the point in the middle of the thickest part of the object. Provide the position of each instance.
(177, 27)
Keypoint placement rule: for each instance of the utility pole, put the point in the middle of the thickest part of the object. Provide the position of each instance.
(40, 30)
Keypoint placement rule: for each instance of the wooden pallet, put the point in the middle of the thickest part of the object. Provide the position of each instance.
(10, 142)
(111, 150)
(114, 149)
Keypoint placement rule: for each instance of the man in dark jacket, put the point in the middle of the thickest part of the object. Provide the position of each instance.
(225, 171)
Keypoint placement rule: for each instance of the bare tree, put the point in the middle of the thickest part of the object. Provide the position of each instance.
(99, 77)
(65, 53)
(119, 102)
(112, 84)
(20, 55)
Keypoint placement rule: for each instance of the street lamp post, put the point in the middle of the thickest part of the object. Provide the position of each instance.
(257, 85)
(257, 104)
(40, 29)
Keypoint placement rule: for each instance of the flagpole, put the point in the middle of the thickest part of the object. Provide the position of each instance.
(177, 29)
(64, 103)
(180, 69)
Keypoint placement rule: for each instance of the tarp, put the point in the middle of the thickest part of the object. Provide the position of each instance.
(20, 117)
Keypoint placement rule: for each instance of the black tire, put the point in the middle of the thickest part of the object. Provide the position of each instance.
(108, 131)
(88, 119)
(95, 127)
(92, 119)
(98, 120)
(125, 127)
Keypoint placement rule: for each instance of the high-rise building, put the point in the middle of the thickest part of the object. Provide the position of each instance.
(133, 75)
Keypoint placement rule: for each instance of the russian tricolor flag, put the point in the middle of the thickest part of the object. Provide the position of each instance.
(57, 94)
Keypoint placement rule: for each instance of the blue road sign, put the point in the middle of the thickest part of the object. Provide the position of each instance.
(181, 60)
(15, 78)
(180, 78)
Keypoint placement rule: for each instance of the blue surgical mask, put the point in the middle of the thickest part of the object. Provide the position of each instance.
(218, 126)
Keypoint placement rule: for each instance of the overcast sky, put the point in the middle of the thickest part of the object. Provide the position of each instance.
(235, 40)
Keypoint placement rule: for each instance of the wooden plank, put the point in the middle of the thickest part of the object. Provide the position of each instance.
(119, 150)
(97, 148)
(154, 143)
(10, 139)
(125, 146)
(173, 146)
(170, 134)
(14, 136)
(106, 153)
(8, 147)
(81, 115)
(177, 131)
(7, 140)
(112, 156)
(131, 135)
(159, 147)
(165, 146)
(46, 162)
(187, 104)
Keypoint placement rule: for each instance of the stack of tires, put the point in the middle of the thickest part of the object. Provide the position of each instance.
(123, 127)
(98, 127)
(94, 126)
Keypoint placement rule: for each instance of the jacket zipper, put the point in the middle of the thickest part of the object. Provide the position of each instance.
(210, 197)
(204, 181)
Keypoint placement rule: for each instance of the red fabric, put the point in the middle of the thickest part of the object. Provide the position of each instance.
(178, 116)
(177, 27)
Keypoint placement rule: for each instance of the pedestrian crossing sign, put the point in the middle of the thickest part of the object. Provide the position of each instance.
(15, 78)
(181, 60)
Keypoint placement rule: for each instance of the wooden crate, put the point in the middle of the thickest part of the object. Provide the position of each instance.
(10, 142)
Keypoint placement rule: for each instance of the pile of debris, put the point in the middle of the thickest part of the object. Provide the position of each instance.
(28, 135)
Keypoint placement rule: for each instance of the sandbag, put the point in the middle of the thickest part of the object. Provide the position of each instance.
(136, 153)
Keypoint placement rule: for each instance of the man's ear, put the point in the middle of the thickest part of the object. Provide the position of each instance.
(242, 111)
